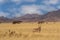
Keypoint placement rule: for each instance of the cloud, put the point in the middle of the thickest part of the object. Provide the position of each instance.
(53, 1)
(30, 9)
(47, 8)
(48, 5)
(25, 9)
(4, 14)
(30, 0)
(33, 9)
(48, 2)
(17, 15)
(17, 1)
(2, 1)
(21, 1)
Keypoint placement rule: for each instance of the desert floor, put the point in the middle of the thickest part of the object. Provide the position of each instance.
(24, 31)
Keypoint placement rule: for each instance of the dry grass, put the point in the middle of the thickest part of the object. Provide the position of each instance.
(24, 31)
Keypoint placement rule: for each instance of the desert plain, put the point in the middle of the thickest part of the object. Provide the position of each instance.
(24, 31)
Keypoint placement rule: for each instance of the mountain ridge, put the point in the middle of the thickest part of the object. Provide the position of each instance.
(53, 16)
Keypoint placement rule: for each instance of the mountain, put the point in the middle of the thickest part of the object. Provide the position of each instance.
(29, 17)
(52, 16)
(4, 19)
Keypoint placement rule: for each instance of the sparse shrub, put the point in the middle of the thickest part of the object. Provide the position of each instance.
(16, 22)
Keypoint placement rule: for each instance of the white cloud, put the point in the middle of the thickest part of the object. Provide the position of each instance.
(30, 0)
(2, 1)
(25, 9)
(30, 9)
(17, 15)
(4, 14)
(48, 2)
(17, 1)
(47, 5)
(53, 1)
(33, 9)
(47, 8)
(21, 1)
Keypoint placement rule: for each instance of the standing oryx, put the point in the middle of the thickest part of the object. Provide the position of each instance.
(37, 29)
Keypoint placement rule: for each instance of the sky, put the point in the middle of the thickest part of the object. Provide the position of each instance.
(17, 8)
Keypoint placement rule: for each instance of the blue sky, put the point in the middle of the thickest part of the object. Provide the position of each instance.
(16, 8)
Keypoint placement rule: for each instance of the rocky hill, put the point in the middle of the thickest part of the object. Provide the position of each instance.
(50, 16)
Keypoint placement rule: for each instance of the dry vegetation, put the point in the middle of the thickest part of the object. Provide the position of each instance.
(24, 31)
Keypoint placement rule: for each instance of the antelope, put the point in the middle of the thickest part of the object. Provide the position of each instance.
(40, 22)
(37, 29)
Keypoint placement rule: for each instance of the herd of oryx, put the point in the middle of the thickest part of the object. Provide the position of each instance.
(35, 29)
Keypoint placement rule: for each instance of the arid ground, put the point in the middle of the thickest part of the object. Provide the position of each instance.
(24, 31)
